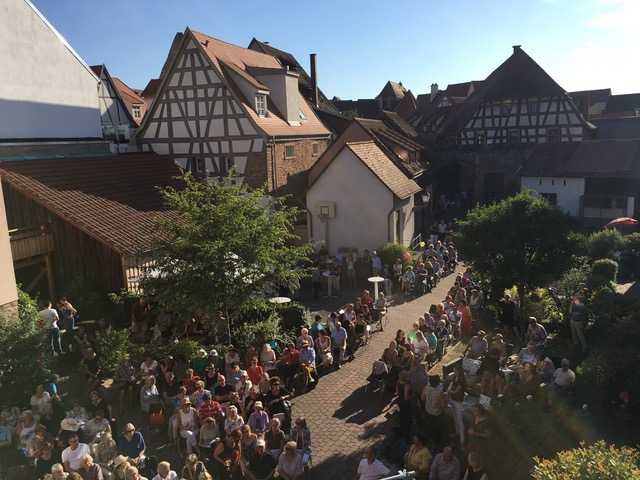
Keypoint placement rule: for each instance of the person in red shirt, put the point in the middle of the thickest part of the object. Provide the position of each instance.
(209, 408)
(255, 371)
(189, 381)
(288, 364)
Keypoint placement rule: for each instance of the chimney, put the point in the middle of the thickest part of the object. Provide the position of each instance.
(434, 91)
(517, 48)
(314, 78)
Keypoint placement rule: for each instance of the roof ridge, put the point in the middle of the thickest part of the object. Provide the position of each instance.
(231, 44)
(360, 142)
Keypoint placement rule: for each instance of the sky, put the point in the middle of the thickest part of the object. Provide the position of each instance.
(582, 44)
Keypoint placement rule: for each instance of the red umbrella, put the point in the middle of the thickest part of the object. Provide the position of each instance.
(622, 221)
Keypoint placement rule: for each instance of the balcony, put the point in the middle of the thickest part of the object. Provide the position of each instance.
(28, 243)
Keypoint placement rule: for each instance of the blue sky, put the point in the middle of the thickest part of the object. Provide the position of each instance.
(363, 43)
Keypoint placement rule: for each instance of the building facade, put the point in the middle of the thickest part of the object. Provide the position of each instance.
(224, 109)
(43, 80)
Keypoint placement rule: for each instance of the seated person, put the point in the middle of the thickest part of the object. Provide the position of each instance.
(478, 345)
(222, 391)
(323, 344)
(528, 354)
(308, 362)
(408, 280)
(262, 465)
(96, 427)
(379, 371)
(564, 377)
(131, 444)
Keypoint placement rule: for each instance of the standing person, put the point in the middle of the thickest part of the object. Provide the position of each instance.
(456, 398)
(475, 470)
(370, 468)
(376, 263)
(48, 319)
(509, 312)
(339, 339)
(418, 458)
(350, 264)
(434, 405)
(165, 472)
(578, 319)
(68, 317)
(466, 321)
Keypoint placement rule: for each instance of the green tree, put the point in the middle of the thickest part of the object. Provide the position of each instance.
(604, 244)
(225, 246)
(26, 359)
(520, 241)
(595, 462)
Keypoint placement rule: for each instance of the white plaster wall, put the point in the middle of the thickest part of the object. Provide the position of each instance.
(45, 91)
(8, 292)
(568, 190)
(409, 223)
(362, 205)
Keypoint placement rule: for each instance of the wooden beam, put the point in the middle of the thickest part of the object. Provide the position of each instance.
(50, 275)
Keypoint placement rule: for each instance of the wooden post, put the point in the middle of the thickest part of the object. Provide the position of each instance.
(48, 259)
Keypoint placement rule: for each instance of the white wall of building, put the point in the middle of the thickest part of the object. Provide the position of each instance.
(569, 191)
(46, 91)
(362, 206)
(8, 292)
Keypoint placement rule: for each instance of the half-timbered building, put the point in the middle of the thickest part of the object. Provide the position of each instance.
(222, 109)
(118, 125)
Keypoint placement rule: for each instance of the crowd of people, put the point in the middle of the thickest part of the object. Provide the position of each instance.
(229, 416)
(444, 425)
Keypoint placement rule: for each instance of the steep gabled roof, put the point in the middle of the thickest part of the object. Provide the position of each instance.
(100, 71)
(113, 199)
(151, 88)
(596, 158)
(305, 81)
(619, 104)
(395, 121)
(407, 105)
(376, 160)
(223, 55)
(392, 89)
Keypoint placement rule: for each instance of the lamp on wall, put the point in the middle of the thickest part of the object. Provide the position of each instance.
(426, 196)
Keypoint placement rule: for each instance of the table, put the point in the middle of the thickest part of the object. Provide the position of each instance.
(375, 281)
(280, 300)
(330, 278)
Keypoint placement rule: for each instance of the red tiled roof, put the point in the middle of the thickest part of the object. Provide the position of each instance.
(112, 199)
(241, 59)
(130, 98)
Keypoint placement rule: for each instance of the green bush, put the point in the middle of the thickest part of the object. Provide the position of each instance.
(26, 353)
(260, 332)
(112, 348)
(595, 462)
(630, 261)
(541, 305)
(603, 272)
(603, 305)
(294, 317)
(604, 244)
(390, 252)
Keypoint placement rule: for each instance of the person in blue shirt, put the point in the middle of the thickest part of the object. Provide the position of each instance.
(307, 359)
(131, 444)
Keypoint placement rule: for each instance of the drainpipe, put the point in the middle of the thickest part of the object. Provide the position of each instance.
(389, 229)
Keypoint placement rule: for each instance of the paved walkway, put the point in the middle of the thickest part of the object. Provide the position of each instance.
(342, 417)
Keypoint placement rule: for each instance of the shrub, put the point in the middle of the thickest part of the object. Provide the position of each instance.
(390, 252)
(112, 348)
(604, 244)
(541, 305)
(630, 261)
(258, 333)
(603, 305)
(596, 462)
(294, 317)
(603, 272)
(26, 358)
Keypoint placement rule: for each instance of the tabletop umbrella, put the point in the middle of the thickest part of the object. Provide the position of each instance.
(622, 221)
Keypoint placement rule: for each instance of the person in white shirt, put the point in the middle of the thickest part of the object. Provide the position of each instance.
(564, 377)
(48, 319)
(370, 468)
(165, 472)
(72, 455)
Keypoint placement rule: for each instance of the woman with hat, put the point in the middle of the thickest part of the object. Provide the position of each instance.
(119, 467)
(259, 419)
(187, 425)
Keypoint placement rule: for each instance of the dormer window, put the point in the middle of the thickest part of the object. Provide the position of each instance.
(136, 111)
(261, 104)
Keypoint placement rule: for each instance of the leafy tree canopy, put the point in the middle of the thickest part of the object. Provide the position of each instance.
(521, 241)
(226, 245)
(595, 462)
